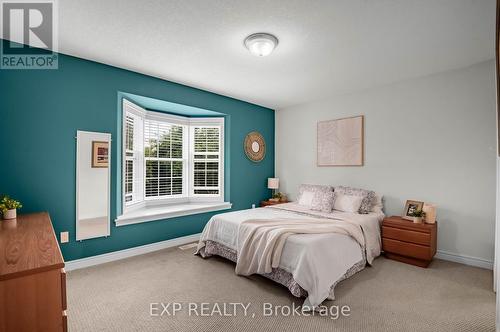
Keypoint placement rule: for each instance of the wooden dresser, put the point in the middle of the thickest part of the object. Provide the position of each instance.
(32, 277)
(408, 242)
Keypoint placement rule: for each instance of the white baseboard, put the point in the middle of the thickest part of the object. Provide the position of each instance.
(121, 254)
(467, 260)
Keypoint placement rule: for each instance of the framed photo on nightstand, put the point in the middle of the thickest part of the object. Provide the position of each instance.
(410, 207)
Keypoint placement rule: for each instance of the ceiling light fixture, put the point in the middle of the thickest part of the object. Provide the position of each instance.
(261, 44)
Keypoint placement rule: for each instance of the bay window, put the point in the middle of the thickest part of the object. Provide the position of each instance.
(170, 159)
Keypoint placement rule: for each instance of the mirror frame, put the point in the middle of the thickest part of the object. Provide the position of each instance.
(98, 137)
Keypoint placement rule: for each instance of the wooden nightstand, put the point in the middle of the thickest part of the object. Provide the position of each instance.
(408, 242)
(267, 203)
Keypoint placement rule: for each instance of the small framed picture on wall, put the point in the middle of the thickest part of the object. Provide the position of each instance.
(100, 157)
(410, 207)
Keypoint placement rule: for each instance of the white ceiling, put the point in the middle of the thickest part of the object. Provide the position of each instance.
(326, 47)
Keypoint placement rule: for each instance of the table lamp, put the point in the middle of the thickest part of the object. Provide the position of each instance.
(273, 183)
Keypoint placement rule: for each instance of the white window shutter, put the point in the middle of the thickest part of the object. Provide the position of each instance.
(133, 158)
(139, 160)
(206, 165)
(164, 159)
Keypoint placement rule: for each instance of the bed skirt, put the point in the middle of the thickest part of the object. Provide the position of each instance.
(277, 274)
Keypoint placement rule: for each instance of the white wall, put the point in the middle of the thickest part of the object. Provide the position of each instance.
(430, 139)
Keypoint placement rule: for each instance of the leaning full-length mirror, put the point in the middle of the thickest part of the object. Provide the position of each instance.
(93, 161)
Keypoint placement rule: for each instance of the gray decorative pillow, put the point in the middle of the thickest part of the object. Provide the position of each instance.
(314, 188)
(368, 197)
(323, 201)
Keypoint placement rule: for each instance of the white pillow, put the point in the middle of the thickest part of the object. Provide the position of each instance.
(306, 198)
(347, 203)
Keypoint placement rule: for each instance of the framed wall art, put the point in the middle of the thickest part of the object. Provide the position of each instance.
(341, 142)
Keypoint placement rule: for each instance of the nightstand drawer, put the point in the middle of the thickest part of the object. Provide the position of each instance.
(268, 203)
(407, 249)
(406, 235)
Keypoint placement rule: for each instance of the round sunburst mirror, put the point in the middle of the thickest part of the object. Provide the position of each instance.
(255, 146)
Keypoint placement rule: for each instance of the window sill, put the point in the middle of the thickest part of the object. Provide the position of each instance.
(153, 213)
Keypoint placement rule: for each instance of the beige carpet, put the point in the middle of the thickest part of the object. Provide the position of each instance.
(390, 296)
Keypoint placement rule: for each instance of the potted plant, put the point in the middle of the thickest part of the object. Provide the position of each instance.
(278, 197)
(9, 207)
(418, 216)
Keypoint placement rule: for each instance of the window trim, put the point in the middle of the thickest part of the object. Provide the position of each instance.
(187, 197)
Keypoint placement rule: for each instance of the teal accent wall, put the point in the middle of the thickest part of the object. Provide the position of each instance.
(40, 112)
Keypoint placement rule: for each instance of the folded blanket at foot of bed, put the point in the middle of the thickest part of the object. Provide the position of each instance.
(278, 275)
(261, 241)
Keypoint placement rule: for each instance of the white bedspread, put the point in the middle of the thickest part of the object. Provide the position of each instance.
(316, 261)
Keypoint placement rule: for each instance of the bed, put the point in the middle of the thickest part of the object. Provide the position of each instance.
(310, 265)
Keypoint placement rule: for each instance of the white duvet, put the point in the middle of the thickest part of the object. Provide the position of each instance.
(316, 261)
